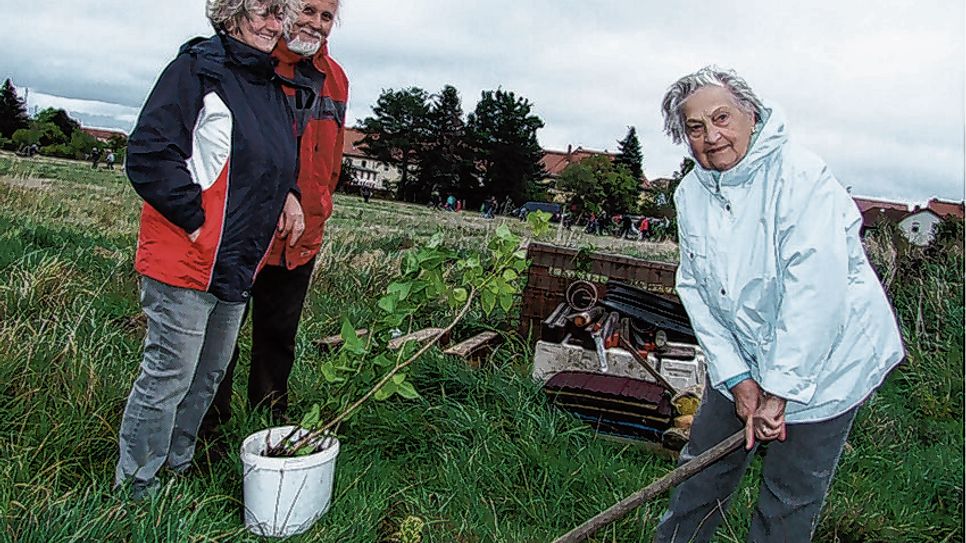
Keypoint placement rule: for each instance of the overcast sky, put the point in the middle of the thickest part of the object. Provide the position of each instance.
(875, 88)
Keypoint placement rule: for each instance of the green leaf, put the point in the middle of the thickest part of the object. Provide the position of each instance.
(410, 263)
(385, 391)
(522, 253)
(506, 302)
(400, 290)
(509, 275)
(311, 419)
(383, 361)
(488, 301)
(435, 241)
(387, 303)
(330, 374)
(305, 450)
(460, 295)
(406, 390)
(503, 232)
(398, 378)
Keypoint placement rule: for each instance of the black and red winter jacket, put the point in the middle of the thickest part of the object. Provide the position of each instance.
(322, 126)
(214, 147)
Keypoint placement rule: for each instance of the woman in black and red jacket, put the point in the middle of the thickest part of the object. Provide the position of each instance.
(214, 156)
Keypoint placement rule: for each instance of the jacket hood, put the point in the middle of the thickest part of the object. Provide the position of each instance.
(770, 139)
(216, 51)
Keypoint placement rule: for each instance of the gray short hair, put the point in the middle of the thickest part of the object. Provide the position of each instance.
(683, 88)
(225, 14)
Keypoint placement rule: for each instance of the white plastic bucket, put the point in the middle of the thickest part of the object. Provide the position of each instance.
(285, 496)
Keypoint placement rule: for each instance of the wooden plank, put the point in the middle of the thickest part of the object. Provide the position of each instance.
(466, 348)
(421, 336)
(331, 343)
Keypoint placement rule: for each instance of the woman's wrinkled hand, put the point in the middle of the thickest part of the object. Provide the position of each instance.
(747, 401)
(770, 418)
(291, 223)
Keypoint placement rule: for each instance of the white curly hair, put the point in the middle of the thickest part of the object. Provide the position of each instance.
(683, 88)
(226, 14)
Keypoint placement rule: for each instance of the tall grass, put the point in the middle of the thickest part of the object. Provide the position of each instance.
(479, 458)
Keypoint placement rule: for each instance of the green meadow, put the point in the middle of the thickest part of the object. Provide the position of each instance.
(479, 457)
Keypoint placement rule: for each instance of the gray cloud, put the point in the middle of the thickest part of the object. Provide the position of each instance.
(877, 92)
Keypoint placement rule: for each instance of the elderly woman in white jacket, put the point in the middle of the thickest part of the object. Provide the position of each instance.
(795, 325)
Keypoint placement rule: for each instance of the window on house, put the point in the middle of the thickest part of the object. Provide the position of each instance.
(363, 163)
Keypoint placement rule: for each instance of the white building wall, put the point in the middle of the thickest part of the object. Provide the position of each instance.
(374, 174)
(919, 227)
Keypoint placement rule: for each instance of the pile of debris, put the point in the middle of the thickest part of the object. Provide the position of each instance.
(627, 363)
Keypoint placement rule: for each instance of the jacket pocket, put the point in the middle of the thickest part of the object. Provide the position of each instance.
(694, 248)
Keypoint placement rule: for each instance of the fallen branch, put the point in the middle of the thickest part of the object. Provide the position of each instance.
(662, 485)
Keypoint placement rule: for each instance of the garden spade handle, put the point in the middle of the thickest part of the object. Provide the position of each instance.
(679, 475)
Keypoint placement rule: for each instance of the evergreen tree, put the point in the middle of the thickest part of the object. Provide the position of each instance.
(13, 111)
(504, 134)
(630, 154)
(446, 160)
(397, 131)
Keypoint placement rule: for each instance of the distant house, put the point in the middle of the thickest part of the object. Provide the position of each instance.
(555, 162)
(367, 171)
(104, 135)
(945, 208)
(917, 224)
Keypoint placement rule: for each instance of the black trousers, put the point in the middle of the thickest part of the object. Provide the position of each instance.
(276, 306)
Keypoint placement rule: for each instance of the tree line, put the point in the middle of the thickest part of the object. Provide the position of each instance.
(492, 151)
(52, 132)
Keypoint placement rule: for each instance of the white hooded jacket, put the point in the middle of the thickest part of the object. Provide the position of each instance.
(776, 282)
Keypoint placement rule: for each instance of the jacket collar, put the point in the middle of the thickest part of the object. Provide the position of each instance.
(248, 58)
(306, 73)
(215, 52)
(770, 138)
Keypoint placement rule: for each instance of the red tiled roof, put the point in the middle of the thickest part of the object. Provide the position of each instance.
(350, 147)
(866, 204)
(555, 162)
(871, 216)
(103, 134)
(944, 208)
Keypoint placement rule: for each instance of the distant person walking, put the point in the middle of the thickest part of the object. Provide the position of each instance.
(95, 157)
(279, 292)
(109, 160)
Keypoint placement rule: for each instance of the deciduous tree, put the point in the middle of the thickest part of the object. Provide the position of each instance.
(599, 185)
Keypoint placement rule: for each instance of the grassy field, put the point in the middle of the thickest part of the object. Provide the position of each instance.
(479, 458)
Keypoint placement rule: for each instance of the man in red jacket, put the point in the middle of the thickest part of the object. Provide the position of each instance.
(280, 288)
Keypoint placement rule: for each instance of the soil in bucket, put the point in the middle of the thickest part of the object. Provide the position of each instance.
(285, 496)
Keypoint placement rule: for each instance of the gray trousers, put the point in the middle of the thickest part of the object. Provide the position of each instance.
(190, 338)
(797, 474)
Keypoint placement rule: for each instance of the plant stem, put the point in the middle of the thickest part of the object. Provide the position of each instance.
(290, 447)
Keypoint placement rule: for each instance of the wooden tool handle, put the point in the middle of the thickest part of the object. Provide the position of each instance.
(651, 491)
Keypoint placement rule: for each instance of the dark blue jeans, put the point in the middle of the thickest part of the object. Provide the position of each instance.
(796, 477)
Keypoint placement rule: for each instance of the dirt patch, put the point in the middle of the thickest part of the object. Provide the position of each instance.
(35, 183)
